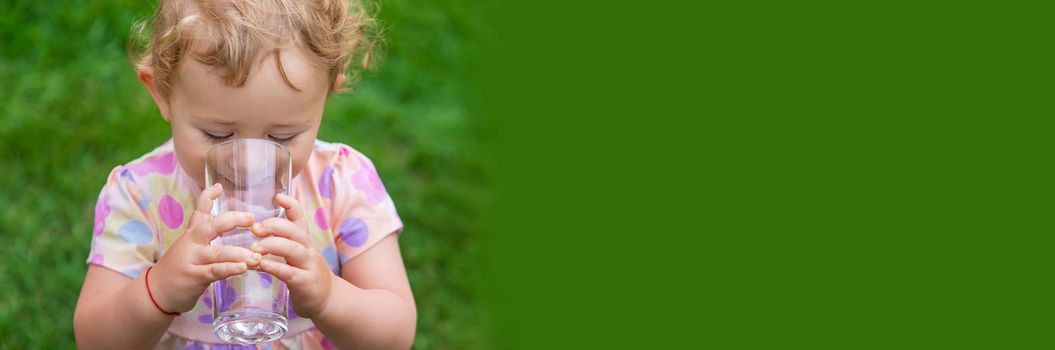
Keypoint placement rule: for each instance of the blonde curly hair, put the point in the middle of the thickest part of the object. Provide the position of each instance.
(231, 36)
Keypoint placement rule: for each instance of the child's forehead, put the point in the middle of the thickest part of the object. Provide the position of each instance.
(286, 68)
(289, 63)
(265, 88)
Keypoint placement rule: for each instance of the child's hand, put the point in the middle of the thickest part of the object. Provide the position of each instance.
(191, 264)
(305, 272)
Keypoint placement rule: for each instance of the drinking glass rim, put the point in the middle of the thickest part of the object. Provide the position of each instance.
(289, 155)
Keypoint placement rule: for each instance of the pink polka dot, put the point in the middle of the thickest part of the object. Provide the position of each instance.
(344, 151)
(367, 181)
(320, 219)
(171, 212)
(327, 344)
(164, 164)
(102, 210)
(97, 259)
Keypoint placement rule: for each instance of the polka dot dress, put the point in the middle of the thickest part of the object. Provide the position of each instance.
(146, 205)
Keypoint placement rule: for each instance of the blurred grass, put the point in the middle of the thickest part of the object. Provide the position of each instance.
(71, 109)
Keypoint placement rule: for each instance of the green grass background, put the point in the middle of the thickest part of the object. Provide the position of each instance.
(709, 175)
(71, 109)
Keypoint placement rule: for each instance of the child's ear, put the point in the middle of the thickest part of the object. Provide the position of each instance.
(147, 77)
(338, 82)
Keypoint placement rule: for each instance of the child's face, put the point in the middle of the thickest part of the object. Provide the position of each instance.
(204, 112)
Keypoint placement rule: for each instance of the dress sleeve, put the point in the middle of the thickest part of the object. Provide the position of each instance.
(363, 213)
(125, 234)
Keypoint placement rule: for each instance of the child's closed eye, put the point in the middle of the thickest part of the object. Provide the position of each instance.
(283, 139)
(215, 137)
(220, 137)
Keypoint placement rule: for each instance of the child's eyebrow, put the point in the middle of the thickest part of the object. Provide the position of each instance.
(226, 123)
(213, 121)
(288, 125)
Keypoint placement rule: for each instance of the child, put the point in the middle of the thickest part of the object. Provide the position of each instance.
(222, 70)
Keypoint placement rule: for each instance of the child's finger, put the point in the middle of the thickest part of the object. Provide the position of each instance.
(203, 207)
(229, 220)
(228, 253)
(293, 210)
(282, 228)
(203, 234)
(217, 271)
(289, 274)
(295, 253)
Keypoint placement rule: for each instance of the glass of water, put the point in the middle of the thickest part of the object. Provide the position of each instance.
(249, 308)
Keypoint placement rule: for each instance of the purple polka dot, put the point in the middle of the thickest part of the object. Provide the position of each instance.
(292, 313)
(366, 180)
(225, 295)
(97, 259)
(207, 300)
(320, 219)
(171, 212)
(206, 318)
(353, 232)
(102, 210)
(265, 280)
(326, 183)
(164, 164)
(127, 174)
(135, 232)
(232, 347)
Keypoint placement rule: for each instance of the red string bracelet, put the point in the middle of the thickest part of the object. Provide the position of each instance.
(152, 296)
